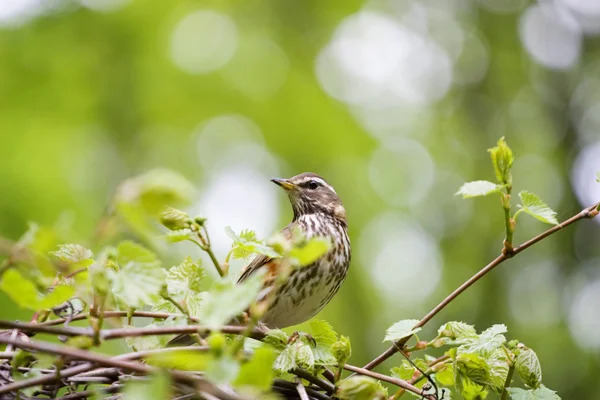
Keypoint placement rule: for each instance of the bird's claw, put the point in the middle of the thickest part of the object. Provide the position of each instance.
(297, 335)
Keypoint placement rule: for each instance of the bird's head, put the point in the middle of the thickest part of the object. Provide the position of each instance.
(311, 194)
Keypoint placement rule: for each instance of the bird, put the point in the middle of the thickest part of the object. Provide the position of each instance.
(317, 212)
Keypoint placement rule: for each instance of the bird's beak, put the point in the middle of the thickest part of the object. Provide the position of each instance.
(284, 183)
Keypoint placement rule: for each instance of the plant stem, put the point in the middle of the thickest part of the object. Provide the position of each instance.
(589, 212)
(508, 223)
(511, 370)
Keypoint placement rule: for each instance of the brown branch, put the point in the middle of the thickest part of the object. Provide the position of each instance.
(101, 360)
(395, 381)
(589, 212)
(117, 314)
(118, 333)
(326, 386)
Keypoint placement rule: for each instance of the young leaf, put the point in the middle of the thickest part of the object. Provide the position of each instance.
(309, 252)
(286, 360)
(360, 388)
(156, 388)
(137, 284)
(405, 371)
(175, 219)
(529, 368)
(258, 372)
(324, 337)
(180, 235)
(598, 176)
(130, 251)
(229, 301)
(277, 338)
(474, 367)
(59, 295)
(535, 207)
(490, 340)
(74, 254)
(341, 350)
(182, 359)
(478, 188)
(247, 244)
(469, 389)
(445, 376)
(502, 160)
(401, 329)
(184, 278)
(457, 332)
(21, 290)
(541, 393)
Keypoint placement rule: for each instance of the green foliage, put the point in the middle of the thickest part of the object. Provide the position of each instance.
(158, 387)
(341, 350)
(535, 207)
(361, 388)
(25, 294)
(541, 393)
(478, 188)
(529, 368)
(138, 284)
(74, 254)
(502, 160)
(258, 371)
(247, 244)
(175, 219)
(184, 279)
(401, 329)
(307, 252)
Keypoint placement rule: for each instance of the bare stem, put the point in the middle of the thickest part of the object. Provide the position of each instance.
(589, 212)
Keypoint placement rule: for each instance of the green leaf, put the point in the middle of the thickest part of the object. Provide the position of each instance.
(478, 188)
(502, 160)
(474, 367)
(74, 253)
(181, 359)
(286, 360)
(445, 376)
(158, 387)
(196, 303)
(247, 244)
(401, 329)
(529, 368)
(304, 355)
(308, 252)
(228, 301)
(128, 251)
(541, 393)
(341, 350)
(184, 278)
(155, 190)
(498, 364)
(277, 338)
(404, 371)
(138, 285)
(21, 290)
(360, 388)
(59, 295)
(535, 207)
(598, 176)
(455, 332)
(142, 343)
(470, 390)
(490, 340)
(180, 235)
(258, 372)
(175, 219)
(325, 337)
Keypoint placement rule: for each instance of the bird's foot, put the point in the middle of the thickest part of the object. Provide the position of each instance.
(298, 335)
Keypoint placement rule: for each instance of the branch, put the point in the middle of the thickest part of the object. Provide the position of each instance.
(589, 212)
(118, 333)
(98, 359)
(395, 381)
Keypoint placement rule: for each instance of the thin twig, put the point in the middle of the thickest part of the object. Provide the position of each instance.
(395, 381)
(98, 359)
(301, 390)
(118, 333)
(589, 212)
(119, 314)
(326, 386)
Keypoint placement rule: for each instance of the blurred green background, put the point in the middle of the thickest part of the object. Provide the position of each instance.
(393, 101)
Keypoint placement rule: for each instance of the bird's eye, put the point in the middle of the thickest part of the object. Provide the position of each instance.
(313, 185)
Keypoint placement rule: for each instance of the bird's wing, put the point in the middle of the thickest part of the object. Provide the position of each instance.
(260, 260)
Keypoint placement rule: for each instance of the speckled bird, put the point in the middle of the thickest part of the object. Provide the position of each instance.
(318, 212)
